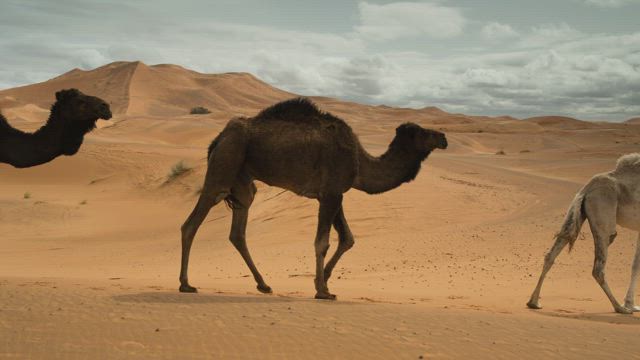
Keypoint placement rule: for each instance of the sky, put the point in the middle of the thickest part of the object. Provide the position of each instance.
(578, 58)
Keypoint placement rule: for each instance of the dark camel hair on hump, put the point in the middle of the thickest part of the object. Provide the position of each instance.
(300, 110)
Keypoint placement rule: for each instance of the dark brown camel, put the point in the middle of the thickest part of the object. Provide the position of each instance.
(73, 115)
(295, 146)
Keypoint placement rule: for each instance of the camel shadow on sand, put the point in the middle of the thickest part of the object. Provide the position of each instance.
(609, 318)
(178, 298)
(161, 297)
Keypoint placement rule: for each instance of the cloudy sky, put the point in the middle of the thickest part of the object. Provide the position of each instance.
(578, 58)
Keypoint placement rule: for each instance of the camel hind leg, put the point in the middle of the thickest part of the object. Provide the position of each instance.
(549, 259)
(629, 299)
(189, 229)
(242, 196)
(601, 208)
(225, 163)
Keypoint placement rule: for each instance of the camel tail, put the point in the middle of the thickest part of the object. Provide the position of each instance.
(573, 220)
(230, 201)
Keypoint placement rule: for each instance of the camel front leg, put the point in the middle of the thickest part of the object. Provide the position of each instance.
(329, 206)
(239, 241)
(629, 299)
(345, 242)
(600, 206)
(599, 264)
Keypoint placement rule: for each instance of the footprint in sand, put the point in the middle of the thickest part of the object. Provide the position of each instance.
(131, 346)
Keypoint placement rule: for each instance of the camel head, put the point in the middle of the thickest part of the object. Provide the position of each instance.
(79, 113)
(414, 137)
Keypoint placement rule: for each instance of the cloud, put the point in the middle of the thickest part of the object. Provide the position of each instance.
(498, 31)
(609, 3)
(549, 34)
(547, 69)
(408, 19)
(590, 77)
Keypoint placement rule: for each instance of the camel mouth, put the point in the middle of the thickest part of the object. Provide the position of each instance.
(444, 143)
(106, 114)
(104, 111)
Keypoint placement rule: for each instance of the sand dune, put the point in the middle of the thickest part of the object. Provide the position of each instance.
(442, 266)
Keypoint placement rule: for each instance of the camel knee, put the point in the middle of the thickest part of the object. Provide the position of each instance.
(549, 259)
(322, 246)
(598, 272)
(348, 242)
(237, 240)
(188, 232)
(612, 238)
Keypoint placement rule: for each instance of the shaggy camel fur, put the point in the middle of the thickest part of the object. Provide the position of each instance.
(608, 199)
(314, 154)
(72, 116)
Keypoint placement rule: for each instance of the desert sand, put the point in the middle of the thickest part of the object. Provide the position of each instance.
(442, 266)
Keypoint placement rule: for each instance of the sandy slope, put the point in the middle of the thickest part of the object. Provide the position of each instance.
(442, 266)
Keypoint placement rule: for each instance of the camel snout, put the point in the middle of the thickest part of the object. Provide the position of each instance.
(443, 144)
(105, 111)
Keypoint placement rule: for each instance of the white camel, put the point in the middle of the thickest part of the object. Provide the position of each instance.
(608, 199)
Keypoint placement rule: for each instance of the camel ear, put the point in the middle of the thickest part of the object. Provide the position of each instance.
(67, 94)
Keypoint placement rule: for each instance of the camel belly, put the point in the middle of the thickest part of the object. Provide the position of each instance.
(307, 172)
(628, 216)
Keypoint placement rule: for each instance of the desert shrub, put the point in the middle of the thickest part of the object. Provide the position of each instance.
(501, 152)
(199, 110)
(26, 195)
(178, 169)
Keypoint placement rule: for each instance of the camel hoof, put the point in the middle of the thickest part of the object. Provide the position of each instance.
(535, 306)
(632, 307)
(185, 288)
(325, 296)
(623, 310)
(265, 289)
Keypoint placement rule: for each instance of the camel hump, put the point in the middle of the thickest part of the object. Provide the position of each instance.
(297, 109)
(628, 163)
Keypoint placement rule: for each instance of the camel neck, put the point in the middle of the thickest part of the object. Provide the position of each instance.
(388, 171)
(21, 149)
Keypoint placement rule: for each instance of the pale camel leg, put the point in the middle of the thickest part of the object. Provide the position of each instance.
(549, 258)
(243, 194)
(629, 300)
(601, 206)
(345, 242)
(329, 206)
